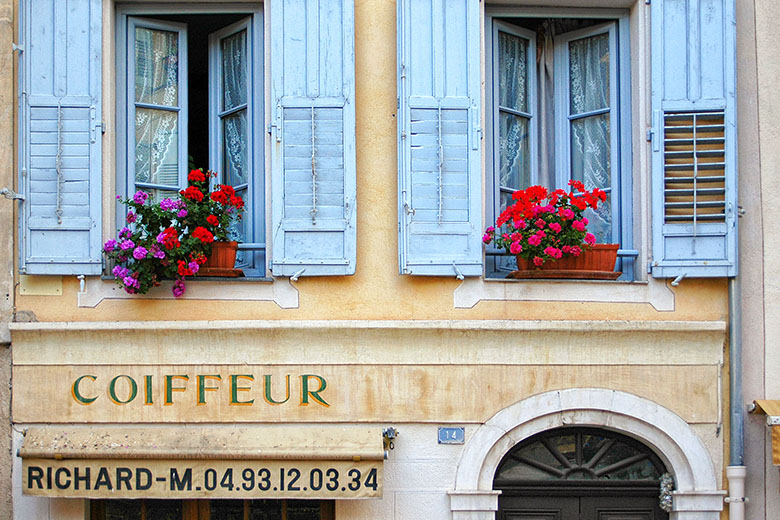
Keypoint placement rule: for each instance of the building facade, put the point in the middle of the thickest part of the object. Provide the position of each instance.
(375, 361)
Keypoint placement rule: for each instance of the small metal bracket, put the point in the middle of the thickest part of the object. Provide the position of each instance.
(649, 135)
(388, 436)
(294, 278)
(458, 274)
(10, 194)
(773, 420)
(679, 279)
(736, 500)
(17, 48)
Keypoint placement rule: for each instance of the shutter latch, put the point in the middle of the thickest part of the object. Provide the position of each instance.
(17, 48)
(407, 207)
(11, 194)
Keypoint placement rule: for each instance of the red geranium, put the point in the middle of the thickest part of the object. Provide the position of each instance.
(203, 234)
(192, 192)
(219, 196)
(214, 221)
(196, 176)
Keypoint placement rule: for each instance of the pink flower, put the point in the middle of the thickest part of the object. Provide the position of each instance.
(578, 225)
(178, 288)
(490, 229)
(590, 239)
(109, 246)
(181, 214)
(566, 214)
(585, 221)
(131, 217)
(534, 240)
(139, 253)
(538, 261)
(515, 248)
(555, 227)
(486, 238)
(520, 224)
(541, 234)
(539, 223)
(553, 252)
(566, 249)
(575, 250)
(194, 267)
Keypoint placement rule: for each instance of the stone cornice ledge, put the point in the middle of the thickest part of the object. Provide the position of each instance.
(466, 325)
(473, 290)
(280, 291)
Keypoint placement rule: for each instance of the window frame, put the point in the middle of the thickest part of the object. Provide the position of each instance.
(628, 212)
(255, 11)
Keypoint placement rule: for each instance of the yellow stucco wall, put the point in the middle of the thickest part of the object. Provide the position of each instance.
(376, 291)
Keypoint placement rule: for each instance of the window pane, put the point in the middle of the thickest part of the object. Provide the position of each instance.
(237, 230)
(303, 510)
(235, 137)
(122, 509)
(265, 510)
(156, 67)
(234, 70)
(589, 73)
(512, 72)
(163, 509)
(514, 161)
(157, 147)
(590, 163)
(226, 510)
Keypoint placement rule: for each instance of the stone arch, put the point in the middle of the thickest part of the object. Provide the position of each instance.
(696, 496)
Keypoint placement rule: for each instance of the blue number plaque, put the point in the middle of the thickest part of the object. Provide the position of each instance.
(452, 435)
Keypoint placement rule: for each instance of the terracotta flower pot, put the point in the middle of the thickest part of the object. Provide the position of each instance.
(595, 263)
(223, 255)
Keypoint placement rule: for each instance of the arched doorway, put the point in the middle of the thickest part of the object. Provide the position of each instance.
(579, 473)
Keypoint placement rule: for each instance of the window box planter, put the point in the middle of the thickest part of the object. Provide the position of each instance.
(596, 263)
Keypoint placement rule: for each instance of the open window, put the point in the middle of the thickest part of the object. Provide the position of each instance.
(189, 95)
(558, 110)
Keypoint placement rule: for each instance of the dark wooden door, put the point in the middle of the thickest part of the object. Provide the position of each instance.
(580, 508)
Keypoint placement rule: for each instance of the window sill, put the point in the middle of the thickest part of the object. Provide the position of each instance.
(278, 290)
(653, 291)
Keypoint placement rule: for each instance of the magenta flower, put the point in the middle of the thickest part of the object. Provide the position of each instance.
(539, 223)
(119, 271)
(575, 250)
(168, 204)
(126, 244)
(538, 261)
(555, 227)
(515, 248)
(140, 197)
(520, 224)
(553, 252)
(139, 253)
(590, 239)
(178, 288)
(490, 229)
(131, 217)
(109, 246)
(534, 240)
(486, 238)
(125, 232)
(578, 225)
(194, 267)
(182, 213)
(567, 214)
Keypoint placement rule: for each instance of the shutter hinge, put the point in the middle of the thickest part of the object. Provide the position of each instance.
(17, 48)
(11, 194)
(649, 135)
(647, 2)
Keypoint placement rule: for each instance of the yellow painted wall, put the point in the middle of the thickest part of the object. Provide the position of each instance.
(376, 291)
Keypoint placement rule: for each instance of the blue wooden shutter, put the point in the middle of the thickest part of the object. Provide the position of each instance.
(694, 140)
(313, 137)
(60, 153)
(440, 184)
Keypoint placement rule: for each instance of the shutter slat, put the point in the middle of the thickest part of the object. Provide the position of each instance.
(439, 173)
(61, 71)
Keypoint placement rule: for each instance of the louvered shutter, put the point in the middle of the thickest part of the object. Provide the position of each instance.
(694, 141)
(60, 149)
(440, 184)
(313, 137)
